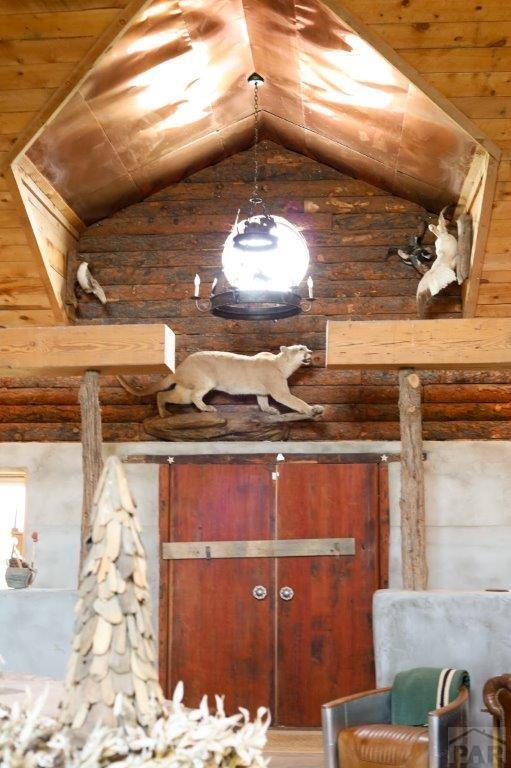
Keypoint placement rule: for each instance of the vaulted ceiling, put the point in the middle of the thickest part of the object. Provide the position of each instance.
(171, 96)
(328, 94)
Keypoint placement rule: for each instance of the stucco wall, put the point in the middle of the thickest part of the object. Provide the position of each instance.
(468, 501)
(468, 504)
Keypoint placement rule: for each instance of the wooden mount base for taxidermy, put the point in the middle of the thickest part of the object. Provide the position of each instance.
(241, 423)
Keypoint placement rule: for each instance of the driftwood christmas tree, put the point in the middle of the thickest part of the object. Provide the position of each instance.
(113, 647)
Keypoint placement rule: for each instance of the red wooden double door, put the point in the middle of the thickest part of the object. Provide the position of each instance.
(290, 655)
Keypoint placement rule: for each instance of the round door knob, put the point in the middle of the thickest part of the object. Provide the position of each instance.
(286, 593)
(259, 592)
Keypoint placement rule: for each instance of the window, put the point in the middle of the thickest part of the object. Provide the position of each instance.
(12, 517)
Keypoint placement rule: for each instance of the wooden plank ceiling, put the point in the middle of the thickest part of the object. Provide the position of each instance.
(462, 49)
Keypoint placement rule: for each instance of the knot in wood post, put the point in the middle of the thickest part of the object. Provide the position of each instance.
(413, 524)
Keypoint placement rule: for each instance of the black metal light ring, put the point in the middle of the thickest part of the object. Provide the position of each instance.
(256, 305)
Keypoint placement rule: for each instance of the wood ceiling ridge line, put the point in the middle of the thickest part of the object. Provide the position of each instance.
(333, 141)
(393, 57)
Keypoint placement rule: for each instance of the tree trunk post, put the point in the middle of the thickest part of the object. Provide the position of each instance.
(92, 461)
(413, 524)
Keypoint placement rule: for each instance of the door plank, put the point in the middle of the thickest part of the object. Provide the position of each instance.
(325, 647)
(164, 588)
(222, 637)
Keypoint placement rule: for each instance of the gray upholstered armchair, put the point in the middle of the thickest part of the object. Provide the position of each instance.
(357, 732)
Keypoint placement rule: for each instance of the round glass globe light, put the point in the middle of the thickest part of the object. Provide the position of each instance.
(277, 269)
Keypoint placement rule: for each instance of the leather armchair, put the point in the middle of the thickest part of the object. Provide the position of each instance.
(357, 732)
(497, 698)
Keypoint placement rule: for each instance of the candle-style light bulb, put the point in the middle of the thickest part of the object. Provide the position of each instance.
(196, 285)
(213, 285)
(310, 286)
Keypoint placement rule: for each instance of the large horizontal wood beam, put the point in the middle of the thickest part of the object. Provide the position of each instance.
(431, 344)
(72, 350)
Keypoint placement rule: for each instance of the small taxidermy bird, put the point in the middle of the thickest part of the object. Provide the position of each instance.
(447, 267)
(88, 283)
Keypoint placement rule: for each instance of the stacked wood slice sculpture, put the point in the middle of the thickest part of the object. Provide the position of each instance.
(113, 647)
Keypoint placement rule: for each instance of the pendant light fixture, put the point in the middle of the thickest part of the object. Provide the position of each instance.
(264, 259)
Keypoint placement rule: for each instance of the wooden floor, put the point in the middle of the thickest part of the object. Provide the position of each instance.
(295, 760)
(289, 748)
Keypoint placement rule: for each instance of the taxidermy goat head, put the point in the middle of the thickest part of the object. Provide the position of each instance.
(449, 264)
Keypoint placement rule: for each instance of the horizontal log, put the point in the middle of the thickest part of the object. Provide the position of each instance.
(46, 413)
(212, 258)
(339, 186)
(96, 242)
(281, 206)
(185, 224)
(310, 430)
(316, 375)
(37, 432)
(242, 169)
(73, 350)
(369, 221)
(465, 343)
(174, 293)
(340, 305)
(167, 223)
(177, 274)
(190, 321)
(390, 431)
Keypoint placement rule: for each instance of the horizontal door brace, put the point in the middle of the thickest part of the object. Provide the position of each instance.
(209, 550)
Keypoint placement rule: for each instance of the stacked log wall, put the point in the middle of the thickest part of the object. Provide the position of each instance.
(146, 257)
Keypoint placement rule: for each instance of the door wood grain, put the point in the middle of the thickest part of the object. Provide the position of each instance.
(222, 638)
(294, 655)
(324, 633)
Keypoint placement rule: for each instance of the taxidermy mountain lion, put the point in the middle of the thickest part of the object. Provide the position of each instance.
(264, 375)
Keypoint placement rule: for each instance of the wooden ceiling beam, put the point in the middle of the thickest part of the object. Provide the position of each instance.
(467, 343)
(72, 350)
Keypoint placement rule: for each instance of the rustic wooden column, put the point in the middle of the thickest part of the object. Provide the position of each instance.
(92, 461)
(413, 525)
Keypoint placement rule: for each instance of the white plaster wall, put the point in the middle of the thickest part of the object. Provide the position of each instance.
(468, 504)
(468, 511)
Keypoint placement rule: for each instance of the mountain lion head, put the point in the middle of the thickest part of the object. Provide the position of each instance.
(298, 354)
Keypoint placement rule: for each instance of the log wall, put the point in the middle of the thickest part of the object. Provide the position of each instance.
(147, 255)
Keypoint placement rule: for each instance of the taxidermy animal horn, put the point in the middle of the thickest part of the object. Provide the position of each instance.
(444, 268)
(88, 283)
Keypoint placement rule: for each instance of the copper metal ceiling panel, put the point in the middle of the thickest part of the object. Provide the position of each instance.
(170, 97)
(424, 127)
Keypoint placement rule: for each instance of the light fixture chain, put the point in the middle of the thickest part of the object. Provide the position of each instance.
(255, 191)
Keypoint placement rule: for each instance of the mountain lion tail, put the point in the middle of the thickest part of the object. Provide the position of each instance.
(159, 386)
